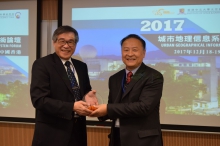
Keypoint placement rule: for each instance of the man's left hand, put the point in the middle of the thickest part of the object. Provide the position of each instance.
(90, 98)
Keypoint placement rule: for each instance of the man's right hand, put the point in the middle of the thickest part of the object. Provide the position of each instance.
(81, 108)
(101, 110)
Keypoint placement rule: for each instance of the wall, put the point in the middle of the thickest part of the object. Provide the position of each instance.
(14, 134)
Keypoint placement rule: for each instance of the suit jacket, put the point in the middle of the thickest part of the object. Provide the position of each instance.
(138, 110)
(53, 98)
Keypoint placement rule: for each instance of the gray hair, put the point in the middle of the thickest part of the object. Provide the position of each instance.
(65, 29)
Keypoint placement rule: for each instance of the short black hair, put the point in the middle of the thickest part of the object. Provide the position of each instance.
(65, 29)
(136, 37)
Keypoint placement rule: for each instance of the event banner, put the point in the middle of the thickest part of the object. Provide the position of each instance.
(183, 43)
(14, 60)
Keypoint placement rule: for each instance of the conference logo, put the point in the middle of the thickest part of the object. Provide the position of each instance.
(17, 15)
(162, 11)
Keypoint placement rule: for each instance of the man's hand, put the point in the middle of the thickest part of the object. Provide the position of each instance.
(100, 111)
(90, 98)
(81, 108)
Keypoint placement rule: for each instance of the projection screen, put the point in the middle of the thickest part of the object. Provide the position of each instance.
(183, 43)
(18, 36)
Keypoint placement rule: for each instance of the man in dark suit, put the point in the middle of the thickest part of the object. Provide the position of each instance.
(60, 111)
(134, 99)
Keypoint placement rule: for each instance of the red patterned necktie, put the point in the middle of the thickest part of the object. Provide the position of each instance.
(128, 79)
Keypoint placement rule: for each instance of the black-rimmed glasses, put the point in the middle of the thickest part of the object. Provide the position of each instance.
(70, 43)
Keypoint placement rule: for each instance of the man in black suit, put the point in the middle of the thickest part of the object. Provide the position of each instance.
(60, 111)
(134, 99)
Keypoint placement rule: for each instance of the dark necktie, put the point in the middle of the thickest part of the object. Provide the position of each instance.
(73, 81)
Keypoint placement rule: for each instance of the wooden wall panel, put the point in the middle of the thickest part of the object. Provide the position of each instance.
(97, 136)
(13, 134)
(16, 134)
(190, 139)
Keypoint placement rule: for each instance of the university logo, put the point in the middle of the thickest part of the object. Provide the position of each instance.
(181, 11)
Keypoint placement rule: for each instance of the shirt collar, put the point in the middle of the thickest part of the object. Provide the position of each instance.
(63, 61)
(133, 71)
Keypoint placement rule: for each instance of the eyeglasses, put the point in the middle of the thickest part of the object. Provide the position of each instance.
(70, 43)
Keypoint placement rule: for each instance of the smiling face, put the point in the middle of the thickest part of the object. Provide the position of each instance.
(62, 49)
(133, 53)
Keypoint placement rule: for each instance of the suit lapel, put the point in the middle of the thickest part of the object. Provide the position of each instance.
(58, 65)
(118, 86)
(136, 77)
